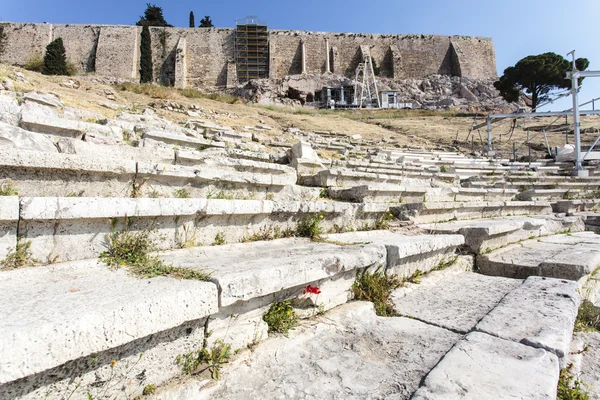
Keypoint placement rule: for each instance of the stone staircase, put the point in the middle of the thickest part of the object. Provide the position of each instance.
(213, 200)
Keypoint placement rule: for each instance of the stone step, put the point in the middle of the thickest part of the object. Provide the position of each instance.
(438, 212)
(9, 219)
(574, 207)
(51, 174)
(548, 194)
(482, 236)
(63, 324)
(487, 194)
(345, 178)
(571, 256)
(377, 194)
(75, 228)
(169, 138)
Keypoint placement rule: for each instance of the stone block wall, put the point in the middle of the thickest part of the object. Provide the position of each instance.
(118, 53)
(201, 57)
(81, 42)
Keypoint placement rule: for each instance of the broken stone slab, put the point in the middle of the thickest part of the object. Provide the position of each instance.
(569, 256)
(484, 235)
(377, 194)
(304, 159)
(448, 302)
(9, 217)
(12, 137)
(45, 99)
(438, 212)
(251, 270)
(547, 194)
(43, 119)
(588, 366)
(406, 254)
(350, 352)
(104, 151)
(540, 313)
(83, 317)
(9, 110)
(177, 139)
(572, 207)
(481, 366)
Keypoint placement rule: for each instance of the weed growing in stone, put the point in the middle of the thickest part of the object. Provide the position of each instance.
(571, 387)
(281, 317)
(127, 248)
(189, 237)
(310, 227)
(445, 263)
(324, 193)
(19, 257)
(182, 194)
(204, 359)
(588, 317)
(219, 239)
(149, 389)
(383, 223)
(8, 189)
(415, 277)
(377, 288)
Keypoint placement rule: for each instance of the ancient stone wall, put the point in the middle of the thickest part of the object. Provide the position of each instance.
(205, 53)
(81, 42)
(118, 53)
(24, 41)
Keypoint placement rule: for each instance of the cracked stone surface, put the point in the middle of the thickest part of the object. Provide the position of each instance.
(455, 301)
(485, 367)
(350, 353)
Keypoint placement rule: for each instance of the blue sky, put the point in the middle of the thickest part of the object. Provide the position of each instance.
(518, 28)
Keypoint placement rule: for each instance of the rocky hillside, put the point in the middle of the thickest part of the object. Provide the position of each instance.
(436, 92)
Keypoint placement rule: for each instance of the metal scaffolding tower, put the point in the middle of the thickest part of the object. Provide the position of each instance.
(365, 86)
(251, 49)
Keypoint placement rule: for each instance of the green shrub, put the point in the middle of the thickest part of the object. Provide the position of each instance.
(19, 257)
(182, 194)
(219, 239)
(35, 63)
(588, 317)
(149, 389)
(377, 288)
(281, 317)
(8, 189)
(212, 359)
(55, 60)
(571, 387)
(146, 75)
(310, 227)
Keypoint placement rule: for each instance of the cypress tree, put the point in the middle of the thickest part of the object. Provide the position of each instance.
(55, 60)
(192, 21)
(146, 56)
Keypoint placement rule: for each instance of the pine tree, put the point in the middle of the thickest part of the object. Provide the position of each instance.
(192, 22)
(153, 16)
(146, 56)
(55, 60)
(206, 22)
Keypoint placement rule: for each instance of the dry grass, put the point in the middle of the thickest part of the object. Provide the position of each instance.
(401, 127)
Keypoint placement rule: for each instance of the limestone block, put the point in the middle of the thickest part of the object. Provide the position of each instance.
(406, 254)
(484, 367)
(12, 137)
(45, 99)
(250, 270)
(305, 159)
(104, 151)
(565, 153)
(9, 110)
(9, 216)
(92, 309)
(449, 303)
(540, 313)
(171, 138)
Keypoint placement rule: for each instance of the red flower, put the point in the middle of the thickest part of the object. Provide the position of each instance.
(313, 290)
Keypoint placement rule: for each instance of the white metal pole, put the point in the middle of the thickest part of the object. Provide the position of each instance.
(576, 119)
(489, 133)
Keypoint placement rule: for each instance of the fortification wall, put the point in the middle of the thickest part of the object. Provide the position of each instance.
(118, 53)
(475, 57)
(24, 41)
(203, 55)
(80, 42)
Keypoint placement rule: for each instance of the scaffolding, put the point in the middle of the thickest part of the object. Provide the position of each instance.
(251, 49)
